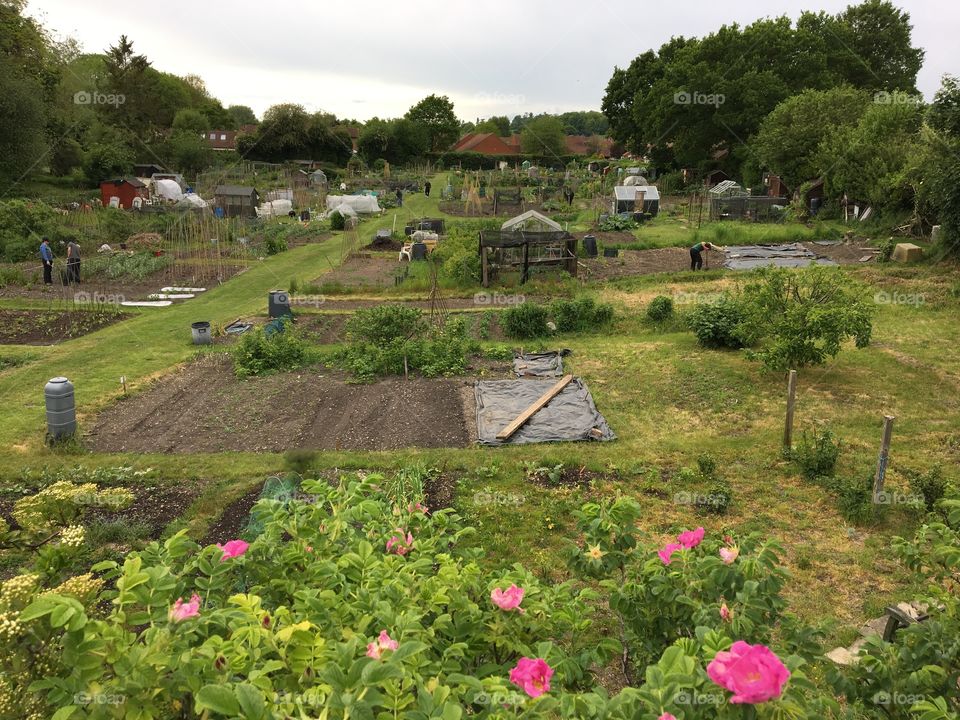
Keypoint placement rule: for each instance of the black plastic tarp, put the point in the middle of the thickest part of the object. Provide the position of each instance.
(569, 416)
(542, 364)
(747, 257)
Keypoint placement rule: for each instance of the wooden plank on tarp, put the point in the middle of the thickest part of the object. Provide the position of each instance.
(535, 408)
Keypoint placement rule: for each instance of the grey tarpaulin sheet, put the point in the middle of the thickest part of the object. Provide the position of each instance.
(747, 257)
(542, 364)
(571, 415)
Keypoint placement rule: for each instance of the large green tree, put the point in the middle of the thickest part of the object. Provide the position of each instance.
(544, 137)
(436, 116)
(23, 143)
(242, 115)
(790, 136)
(696, 100)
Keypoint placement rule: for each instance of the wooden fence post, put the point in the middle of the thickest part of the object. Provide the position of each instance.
(791, 399)
(881, 473)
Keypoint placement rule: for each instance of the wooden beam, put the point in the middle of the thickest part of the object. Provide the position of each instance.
(534, 409)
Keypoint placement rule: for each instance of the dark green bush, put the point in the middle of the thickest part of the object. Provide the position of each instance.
(580, 315)
(716, 500)
(855, 499)
(931, 485)
(274, 245)
(393, 339)
(886, 250)
(337, 221)
(260, 354)
(524, 321)
(718, 324)
(660, 308)
(817, 453)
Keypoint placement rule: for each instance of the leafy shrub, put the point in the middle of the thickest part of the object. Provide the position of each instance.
(617, 223)
(324, 605)
(463, 267)
(274, 245)
(394, 339)
(137, 266)
(660, 308)
(337, 221)
(259, 354)
(116, 225)
(930, 485)
(580, 315)
(886, 248)
(855, 499)
(804, 317)
(498, 352)
(716, 499)
(718, 324)
(524, 321)
(707, 465)
(817, 453)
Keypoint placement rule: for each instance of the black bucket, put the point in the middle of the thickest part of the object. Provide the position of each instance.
(611, 252)
(590, 245)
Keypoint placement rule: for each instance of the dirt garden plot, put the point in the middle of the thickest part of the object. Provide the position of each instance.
(363, 271)
(674, 259)
(203, 407)
(48, 327)
(180, 273)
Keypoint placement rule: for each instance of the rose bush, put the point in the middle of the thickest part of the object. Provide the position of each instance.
(322, 615)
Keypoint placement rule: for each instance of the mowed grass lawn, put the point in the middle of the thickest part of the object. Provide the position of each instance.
(667, 399)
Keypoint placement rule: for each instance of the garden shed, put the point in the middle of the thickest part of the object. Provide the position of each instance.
(237, 200)
(125, 190)
(626, 197)
(520, 250)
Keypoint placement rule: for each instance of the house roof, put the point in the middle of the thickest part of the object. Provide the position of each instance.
(120, 181)
(241, 190)
(495, 145)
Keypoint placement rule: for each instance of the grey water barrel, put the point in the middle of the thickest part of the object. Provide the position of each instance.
(201, 333)
(279, 304)
(590, 245)
(61, 410)
(419, 251)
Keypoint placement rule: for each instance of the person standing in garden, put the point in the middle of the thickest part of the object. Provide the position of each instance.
(399, 197)
(73, 262)
(426, 189)
(696, 254)
(46, 257)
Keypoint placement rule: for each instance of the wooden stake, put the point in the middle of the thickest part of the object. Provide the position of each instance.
(406, 369)
(881, 474)
(534, 409)
(791, 399)
(123, 383)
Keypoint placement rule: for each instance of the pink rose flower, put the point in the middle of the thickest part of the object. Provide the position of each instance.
(181, 610)
(728, 555)
(508, 599)
(533, 675)
(666, 554)
(232, 549)
(400, 545)
(753, 673)
(666, 716)
(383, 642)
(690, 538)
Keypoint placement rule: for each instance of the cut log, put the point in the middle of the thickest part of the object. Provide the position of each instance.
(535, 408)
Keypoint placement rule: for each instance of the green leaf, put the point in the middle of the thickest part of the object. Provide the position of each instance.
(64, 712)
(219, 699)
(251, 701)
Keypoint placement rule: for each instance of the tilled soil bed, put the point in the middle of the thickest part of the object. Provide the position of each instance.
(203, 407)
(47, 327)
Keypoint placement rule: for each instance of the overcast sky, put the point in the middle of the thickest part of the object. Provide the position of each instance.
(493, 57)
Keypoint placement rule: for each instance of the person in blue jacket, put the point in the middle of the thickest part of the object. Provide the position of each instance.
(46, 256)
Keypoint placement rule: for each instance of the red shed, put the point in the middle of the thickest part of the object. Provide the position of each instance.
(124, 188)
